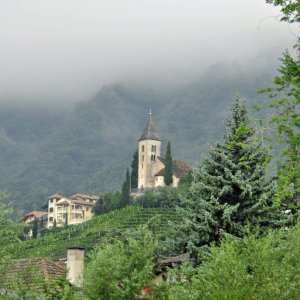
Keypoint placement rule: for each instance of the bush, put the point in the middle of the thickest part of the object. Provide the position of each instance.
(120, 268)
(249, 268)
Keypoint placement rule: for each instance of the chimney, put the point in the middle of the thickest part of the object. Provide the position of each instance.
(75, 261)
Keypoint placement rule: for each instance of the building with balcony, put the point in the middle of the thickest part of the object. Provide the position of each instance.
(69, 211)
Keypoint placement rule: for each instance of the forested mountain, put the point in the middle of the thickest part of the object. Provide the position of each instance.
(87, 148)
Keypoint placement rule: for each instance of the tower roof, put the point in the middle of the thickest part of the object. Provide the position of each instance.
(149, 132)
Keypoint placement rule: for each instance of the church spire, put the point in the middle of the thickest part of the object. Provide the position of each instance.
(149, 132)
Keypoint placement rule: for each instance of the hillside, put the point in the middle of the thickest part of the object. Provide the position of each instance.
(56, 241)
(87, 149)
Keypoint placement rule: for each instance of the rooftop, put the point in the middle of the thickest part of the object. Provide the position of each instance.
(37, 214)
(179, 168)
(149, 132)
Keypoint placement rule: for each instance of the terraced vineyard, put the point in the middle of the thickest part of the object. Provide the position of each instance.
(88, 234)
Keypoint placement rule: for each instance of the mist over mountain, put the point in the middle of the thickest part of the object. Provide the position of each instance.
(87, 147)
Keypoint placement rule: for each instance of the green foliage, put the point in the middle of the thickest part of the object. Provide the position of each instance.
(229, 189)
(168, 175)
(54, 242)
(289, 8)
(185, 181)
(286, 118)
(29, 282)
(118, 269)
(9, 231)
(165, 197)
(125, 197)
(35, 229)
(248, 268)
(134, 170)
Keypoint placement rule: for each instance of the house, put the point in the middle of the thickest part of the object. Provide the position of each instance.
(151, 164)
(41, 216)
(42, 275)
(72, 210)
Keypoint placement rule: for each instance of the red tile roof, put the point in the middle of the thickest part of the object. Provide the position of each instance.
(179, 168)
(33, 270)
(84, 196)
(37, 214)
(56, 196)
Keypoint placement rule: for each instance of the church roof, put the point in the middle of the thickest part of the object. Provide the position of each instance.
(149, 132)
(179, 168)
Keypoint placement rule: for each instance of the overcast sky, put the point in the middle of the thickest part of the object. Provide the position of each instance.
(70, 48)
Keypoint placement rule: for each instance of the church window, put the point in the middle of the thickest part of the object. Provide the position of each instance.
(143, 148)
(154, 157)
(153, 148)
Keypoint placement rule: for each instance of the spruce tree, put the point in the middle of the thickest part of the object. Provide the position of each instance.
(126, 190)
(168, 176)
(229, 189)
(134, 170)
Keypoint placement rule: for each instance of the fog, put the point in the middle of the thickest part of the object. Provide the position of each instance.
(68, 49)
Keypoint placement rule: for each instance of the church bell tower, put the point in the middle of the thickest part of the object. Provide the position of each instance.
(149, 151)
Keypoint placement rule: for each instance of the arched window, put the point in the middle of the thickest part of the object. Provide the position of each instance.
(143, 148)
(51, 209)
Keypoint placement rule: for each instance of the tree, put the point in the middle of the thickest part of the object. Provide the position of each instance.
(250, 268)
(9, 231)
(35, 229)
(134, 170)
(101, 206)
(290, 9)
(287, 114)
(126, 190)
(118, 269)
(66, 220)
(287, 123)
(286, 104)
(229, 188)
(168, 176)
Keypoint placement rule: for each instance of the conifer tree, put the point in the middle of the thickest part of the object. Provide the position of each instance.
(229, 189)
(168, 166)
(35, 228)
(134, 170)
(126, 190)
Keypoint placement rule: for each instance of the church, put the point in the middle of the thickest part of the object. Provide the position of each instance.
(151, 164)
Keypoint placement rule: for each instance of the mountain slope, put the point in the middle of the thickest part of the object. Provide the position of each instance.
(90, 149)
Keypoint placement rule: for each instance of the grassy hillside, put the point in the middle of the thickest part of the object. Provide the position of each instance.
(55, 243)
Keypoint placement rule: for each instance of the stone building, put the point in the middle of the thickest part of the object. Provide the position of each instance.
(151, 164)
